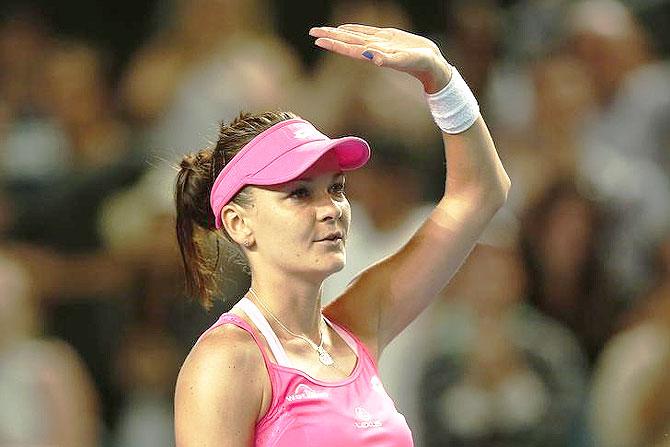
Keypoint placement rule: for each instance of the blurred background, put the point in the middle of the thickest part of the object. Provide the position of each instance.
(556, 331)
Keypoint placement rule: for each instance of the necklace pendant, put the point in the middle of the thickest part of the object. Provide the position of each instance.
(324, 357)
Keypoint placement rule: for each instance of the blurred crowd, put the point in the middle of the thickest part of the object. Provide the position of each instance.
(556, 330)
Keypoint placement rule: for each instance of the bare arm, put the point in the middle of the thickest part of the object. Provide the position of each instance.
(219, 391)
(390, 294)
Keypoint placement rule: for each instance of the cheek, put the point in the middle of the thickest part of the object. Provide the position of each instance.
(282, 229)
(346, 214)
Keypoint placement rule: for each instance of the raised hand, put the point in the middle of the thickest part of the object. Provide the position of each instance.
(387, 47)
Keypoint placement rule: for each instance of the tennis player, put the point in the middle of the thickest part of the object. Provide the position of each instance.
(279, 369)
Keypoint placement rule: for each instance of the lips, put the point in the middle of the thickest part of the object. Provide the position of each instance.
(335, 235)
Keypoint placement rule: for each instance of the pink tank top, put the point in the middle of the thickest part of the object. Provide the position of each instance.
(305, 411)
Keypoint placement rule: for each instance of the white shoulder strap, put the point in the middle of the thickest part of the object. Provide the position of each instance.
(346, 337)
(262, 324)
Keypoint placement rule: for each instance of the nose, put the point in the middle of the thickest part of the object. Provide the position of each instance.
(329, 208)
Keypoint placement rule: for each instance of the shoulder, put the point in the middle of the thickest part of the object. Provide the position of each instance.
(227, 352)
(222, 342)
(222, 379)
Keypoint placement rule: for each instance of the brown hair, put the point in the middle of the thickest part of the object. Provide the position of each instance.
(195, 220)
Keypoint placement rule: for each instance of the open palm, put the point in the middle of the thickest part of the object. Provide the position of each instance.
(389, 47)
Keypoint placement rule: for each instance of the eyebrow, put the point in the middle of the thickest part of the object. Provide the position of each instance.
(309, 179)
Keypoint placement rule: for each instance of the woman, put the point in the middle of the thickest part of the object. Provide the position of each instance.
(274, 186)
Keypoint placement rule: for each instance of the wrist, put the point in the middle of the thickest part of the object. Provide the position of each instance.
(454, 107)
(437, 77)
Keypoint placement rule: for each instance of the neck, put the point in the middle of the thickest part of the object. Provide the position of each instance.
(296, 303)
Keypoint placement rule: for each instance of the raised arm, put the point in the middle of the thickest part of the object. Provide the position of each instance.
(389, 295)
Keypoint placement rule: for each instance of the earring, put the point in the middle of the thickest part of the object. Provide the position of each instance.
(246, 243)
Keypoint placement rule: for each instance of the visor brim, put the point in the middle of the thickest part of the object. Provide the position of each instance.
(352, 153)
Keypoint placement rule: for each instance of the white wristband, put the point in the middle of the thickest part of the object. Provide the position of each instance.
(454, 108)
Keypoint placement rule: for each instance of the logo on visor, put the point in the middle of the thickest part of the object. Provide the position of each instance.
(303, 134)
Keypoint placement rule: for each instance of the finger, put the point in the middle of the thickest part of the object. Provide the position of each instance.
(385, 47)
(336, 46)
(365, 29)
(368, 37)
(341, 35)
(379, 57)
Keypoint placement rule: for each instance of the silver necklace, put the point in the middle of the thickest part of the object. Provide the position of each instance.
(324, 357)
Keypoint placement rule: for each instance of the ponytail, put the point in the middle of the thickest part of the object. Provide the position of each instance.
(195, 223)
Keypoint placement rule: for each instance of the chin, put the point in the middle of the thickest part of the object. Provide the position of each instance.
(339, 267)
(334, 266)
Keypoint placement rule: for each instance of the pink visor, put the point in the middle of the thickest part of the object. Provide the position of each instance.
(281, 154)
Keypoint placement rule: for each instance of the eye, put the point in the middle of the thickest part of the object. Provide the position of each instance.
(338, 188)
(300, 193)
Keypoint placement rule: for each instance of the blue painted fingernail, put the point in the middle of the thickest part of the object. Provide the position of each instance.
(367, 54)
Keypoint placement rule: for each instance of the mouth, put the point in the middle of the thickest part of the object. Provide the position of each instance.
(332, 238)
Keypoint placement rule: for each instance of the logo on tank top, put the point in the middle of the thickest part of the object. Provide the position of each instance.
(364, 419)
(304, 392)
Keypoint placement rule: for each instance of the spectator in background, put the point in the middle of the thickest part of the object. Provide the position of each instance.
(625, 142)
(487, 40)
(147, 367)
(631, 390)
(75, 93)
(48, 397)
(210, 61)
(605, 36)
(56, 217)
(548, 147)
(94, 146)
(190, 34)
(474, 41)
(24, 39)
(561, 239)
(499, 373)
(31, 146)
(533, 29)
(600, 114)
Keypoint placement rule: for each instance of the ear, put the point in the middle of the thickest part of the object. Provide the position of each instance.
(235, 222)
